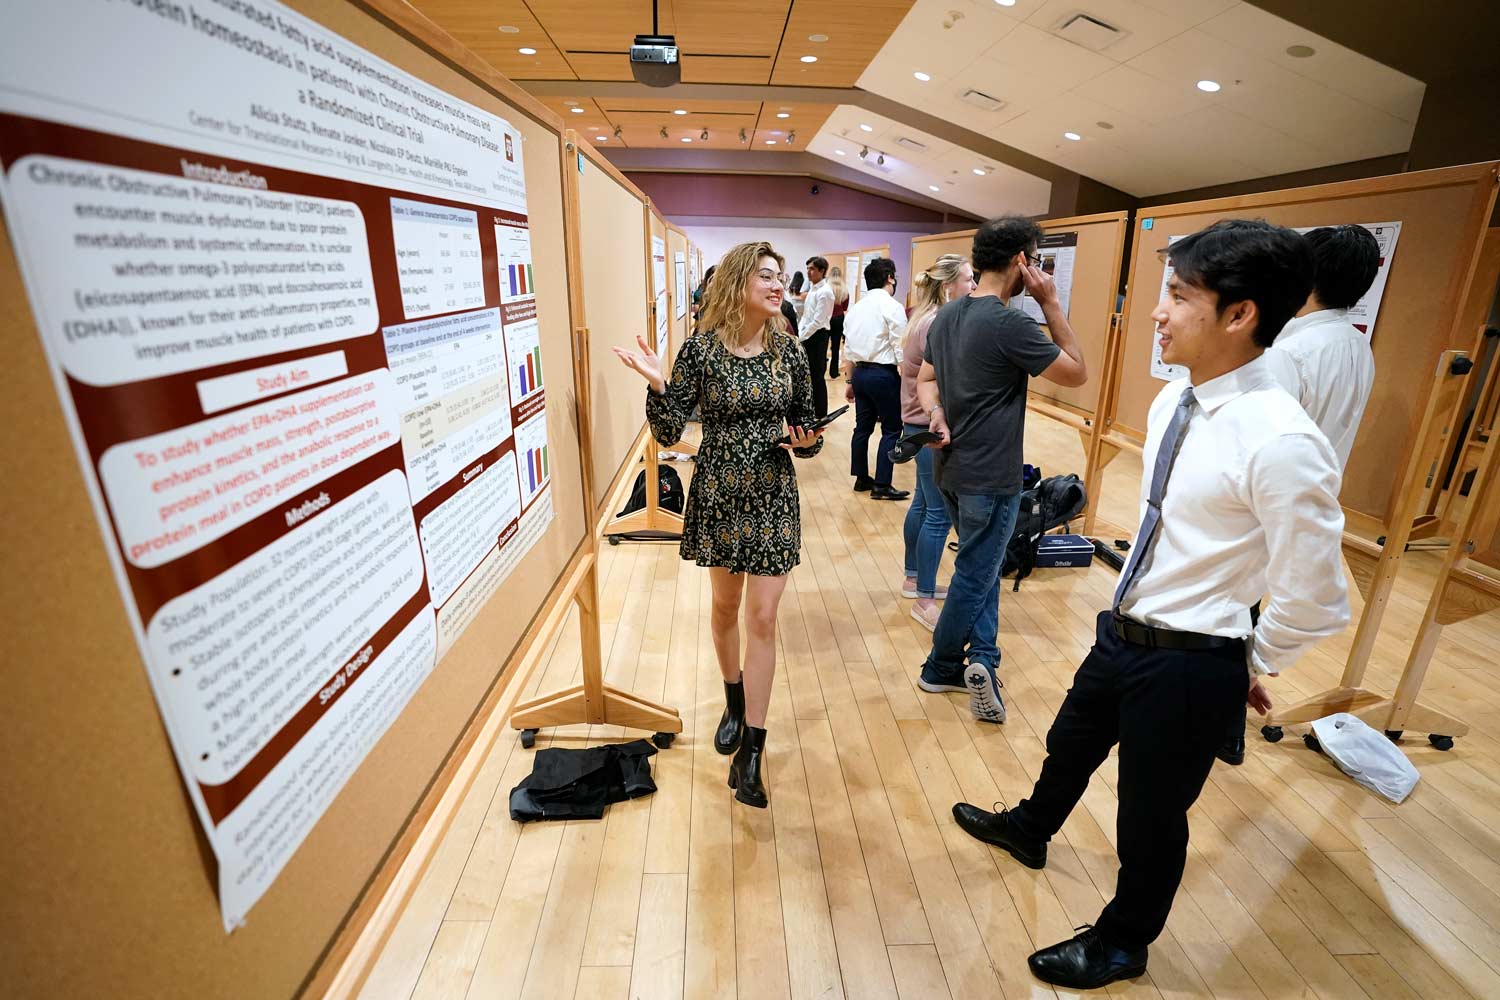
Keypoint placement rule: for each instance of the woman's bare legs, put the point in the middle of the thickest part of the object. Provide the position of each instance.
(763, 595)
(727, 589)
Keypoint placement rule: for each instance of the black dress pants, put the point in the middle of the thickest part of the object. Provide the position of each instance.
(1167, 709)
(877, 396)
(816, 347)
(835, 339)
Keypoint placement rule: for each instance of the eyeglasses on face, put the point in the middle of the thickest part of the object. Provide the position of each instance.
(1035, 260)
(768, 276)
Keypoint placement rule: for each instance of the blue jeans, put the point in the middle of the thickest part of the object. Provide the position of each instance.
(927, 523)
(970, 620)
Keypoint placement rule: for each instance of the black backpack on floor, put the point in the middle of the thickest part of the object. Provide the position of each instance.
(669, 490)
(1052, 503)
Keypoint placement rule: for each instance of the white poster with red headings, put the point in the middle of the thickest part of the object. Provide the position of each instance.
(1362, 315)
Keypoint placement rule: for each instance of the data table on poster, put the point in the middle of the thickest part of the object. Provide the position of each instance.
(438, 258)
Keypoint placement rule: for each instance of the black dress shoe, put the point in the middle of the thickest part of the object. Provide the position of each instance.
(995, 828)
(744, 770)
(732, 722)
(1233, 751)
(887, 493)
(1086, 962)
(863, 484)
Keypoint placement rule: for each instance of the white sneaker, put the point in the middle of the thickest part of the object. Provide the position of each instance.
(984, 686)
(929, 623)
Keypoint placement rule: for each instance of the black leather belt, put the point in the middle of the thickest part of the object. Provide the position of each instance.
(873, 364)
(1137, 634)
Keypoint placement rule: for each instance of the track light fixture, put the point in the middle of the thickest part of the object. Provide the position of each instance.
(743, 137)
(663, 131)
(617, 131)
(864, 154)
(880, 160)
(791, 137)
(703, 136)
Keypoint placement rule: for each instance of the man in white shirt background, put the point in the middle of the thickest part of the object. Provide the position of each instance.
(1240, 499)
(872, 347)
(1325, 361)
(817, 313)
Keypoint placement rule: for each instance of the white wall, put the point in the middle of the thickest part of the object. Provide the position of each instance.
(797, 244)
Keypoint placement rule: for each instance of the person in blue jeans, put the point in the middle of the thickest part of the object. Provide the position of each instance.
(972, 384)
(927, 522)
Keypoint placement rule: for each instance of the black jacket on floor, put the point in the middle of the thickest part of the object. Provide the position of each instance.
(579, 784)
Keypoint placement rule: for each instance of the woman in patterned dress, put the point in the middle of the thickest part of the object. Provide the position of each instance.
(749, 379)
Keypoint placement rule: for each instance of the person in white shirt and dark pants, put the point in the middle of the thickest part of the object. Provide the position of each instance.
(1240, 499)
(817, 313)
(872, 347)
(1325, 361)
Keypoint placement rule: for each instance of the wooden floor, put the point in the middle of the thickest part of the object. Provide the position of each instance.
(856, 882)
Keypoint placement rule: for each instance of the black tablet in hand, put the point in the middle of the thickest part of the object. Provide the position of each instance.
(818, 424)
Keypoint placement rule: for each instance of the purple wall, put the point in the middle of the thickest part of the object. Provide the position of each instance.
(767, 196)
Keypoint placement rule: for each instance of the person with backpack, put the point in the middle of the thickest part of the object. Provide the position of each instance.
(748, 376)
(981, 353)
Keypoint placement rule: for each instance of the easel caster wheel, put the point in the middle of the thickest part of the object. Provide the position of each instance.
(1272, 734)
(1312, 742)
(528, 738)
(613, 539)
(1441, 742)
(664, 740)
(1394, 735)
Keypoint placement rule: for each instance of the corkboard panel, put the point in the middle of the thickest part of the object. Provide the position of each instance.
(614, 252)
(1442, 214)
(1096, 278)
(110, 888)
(677, 243)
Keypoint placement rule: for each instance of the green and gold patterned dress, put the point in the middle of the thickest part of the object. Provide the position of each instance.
(742, 509)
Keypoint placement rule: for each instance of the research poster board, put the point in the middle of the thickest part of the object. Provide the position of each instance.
(295, 338)
(1361, 316)
(679, 270)
(1058, 251)
(659, 289)
(854, 279)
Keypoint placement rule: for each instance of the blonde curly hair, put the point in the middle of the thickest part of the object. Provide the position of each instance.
(723, 312)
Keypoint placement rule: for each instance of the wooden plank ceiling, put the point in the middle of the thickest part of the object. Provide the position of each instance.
(721, 41)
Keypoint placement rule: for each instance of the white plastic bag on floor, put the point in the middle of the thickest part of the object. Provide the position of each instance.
(1366, 755)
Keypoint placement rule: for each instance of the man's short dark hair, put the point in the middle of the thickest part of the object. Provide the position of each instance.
(879, 271)
(999, 240)
(1248, 260)
(821, 263)
(1345, 259)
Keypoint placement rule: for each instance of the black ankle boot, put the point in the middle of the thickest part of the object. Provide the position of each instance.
(744, 770)
(732, 722)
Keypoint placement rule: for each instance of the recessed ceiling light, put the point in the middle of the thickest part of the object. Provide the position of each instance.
(601, 138)
(680, 111)
(865, 128)
(817, 38)
(1006, 3)
(687, 138)
(509, 29)
(1300, 51)
(933, 187)
(809, 59)
(576, 111)
(570, 103)
(527, 50)
(782, 114)
(1104, 125)
(1209, 86)
(840, 152)
(980, 171)
(921, 76)
(770, 142)
(1074, 136)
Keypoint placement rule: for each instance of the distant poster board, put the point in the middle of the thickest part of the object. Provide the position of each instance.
(853, 280)
(1058, 252)
(1362, 316)
(297, 343)
(659, 289)
(679, 267)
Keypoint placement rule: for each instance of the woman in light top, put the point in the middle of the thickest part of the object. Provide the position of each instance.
(836, 322)
(927, 521)
(749, 378)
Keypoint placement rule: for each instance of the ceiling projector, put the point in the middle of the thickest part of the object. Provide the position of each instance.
(653, 60)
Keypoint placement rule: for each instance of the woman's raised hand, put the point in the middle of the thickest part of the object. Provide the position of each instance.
(644, 363)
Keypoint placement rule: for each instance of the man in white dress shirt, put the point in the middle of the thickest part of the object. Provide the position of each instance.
(872, 347)
(817, 314)
(1325, 361)
(1240, 499)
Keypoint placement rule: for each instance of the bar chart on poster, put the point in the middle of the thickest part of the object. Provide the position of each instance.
(437, 257)
(513, 247)
(531, 455)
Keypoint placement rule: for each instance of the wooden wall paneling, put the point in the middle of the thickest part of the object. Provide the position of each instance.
(107, 852)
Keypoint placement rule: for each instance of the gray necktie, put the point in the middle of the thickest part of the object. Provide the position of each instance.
(1171, 443)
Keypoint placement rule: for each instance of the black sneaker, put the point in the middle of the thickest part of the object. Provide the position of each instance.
(995, 828)
(1086, 962)
(936, 682)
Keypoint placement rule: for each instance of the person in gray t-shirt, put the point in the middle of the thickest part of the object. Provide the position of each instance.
(980, 354)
